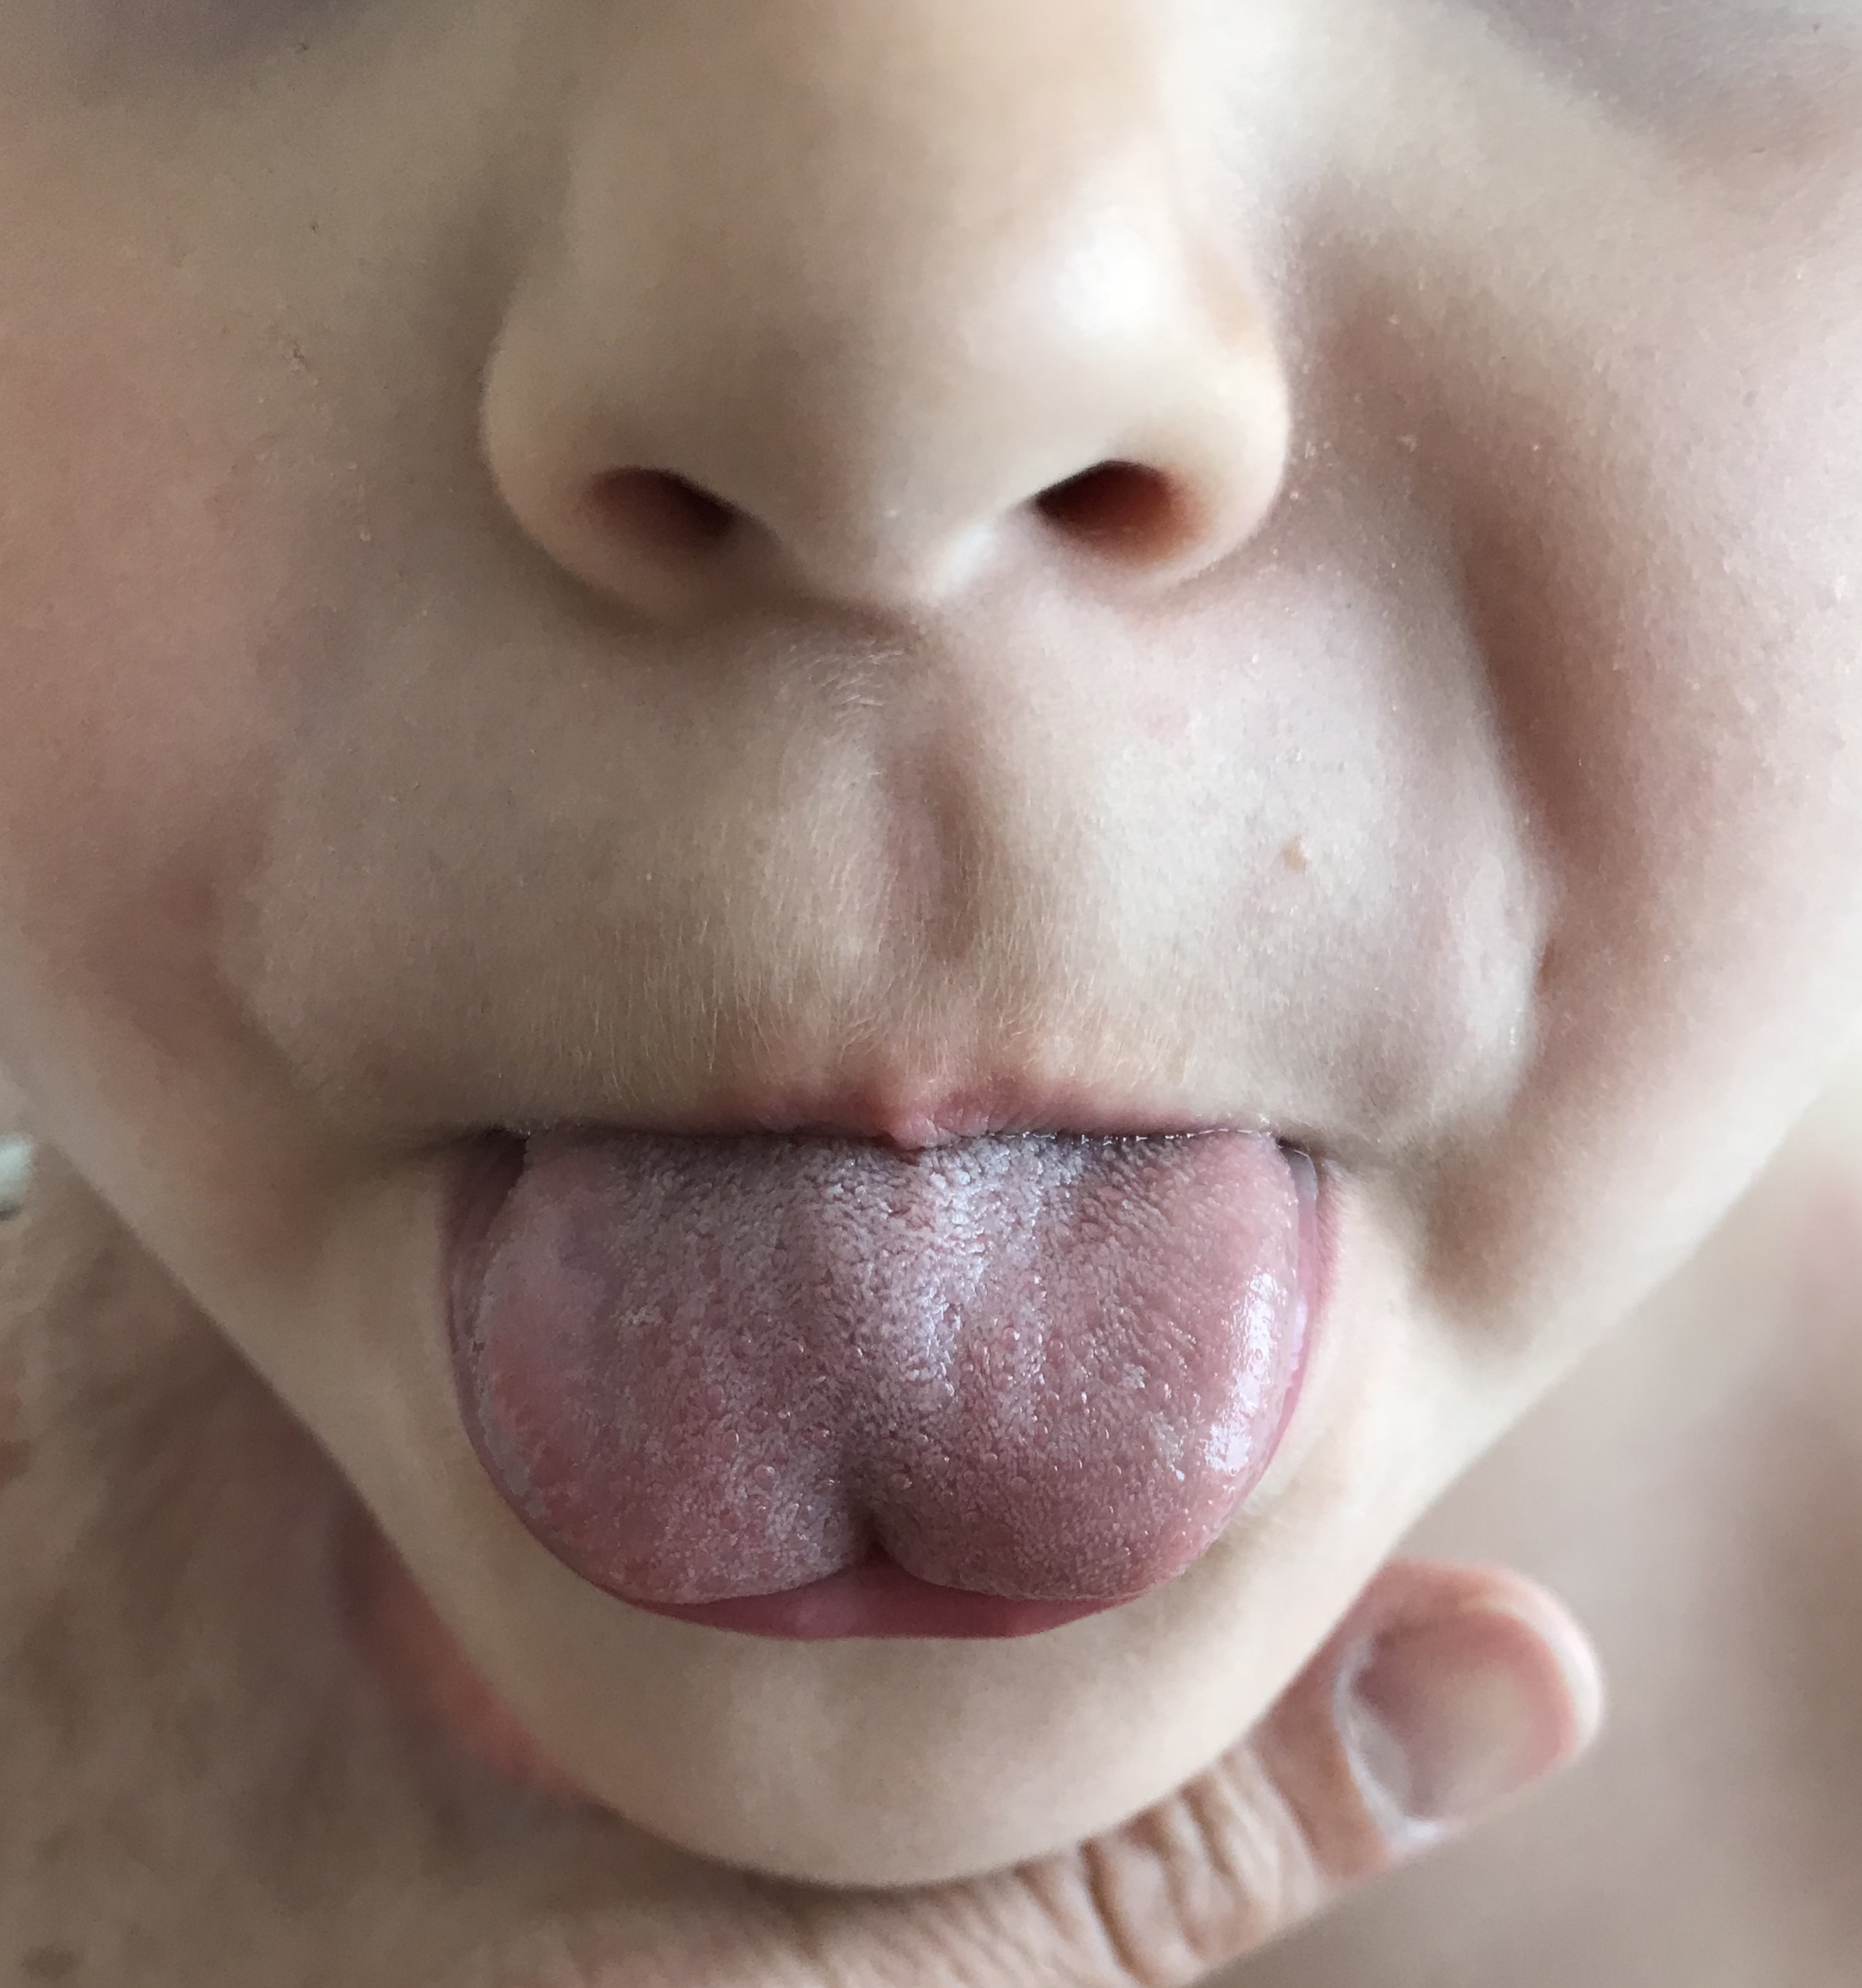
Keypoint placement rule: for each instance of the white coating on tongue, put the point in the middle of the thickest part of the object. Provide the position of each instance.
(1049, 1368)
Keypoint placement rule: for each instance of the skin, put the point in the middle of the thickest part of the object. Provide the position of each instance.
(1445, 754)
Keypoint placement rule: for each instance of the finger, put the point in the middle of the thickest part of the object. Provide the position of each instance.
(1444, 1692)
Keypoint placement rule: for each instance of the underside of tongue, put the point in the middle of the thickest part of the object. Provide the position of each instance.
(1049, 1368)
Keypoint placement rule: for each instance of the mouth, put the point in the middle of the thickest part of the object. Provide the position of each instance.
(810, 1386)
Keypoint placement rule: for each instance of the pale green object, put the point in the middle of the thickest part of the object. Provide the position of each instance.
(16, 1173)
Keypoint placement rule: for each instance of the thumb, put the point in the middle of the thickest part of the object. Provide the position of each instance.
(1444, 1692)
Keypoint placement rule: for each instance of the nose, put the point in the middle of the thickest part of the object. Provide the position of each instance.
(867, 299)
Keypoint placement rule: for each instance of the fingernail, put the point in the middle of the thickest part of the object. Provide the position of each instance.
(1445, 1718)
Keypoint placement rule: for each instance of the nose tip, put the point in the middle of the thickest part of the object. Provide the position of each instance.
(871, 359)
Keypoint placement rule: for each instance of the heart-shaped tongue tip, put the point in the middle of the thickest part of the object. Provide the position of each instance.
(1048, 1368)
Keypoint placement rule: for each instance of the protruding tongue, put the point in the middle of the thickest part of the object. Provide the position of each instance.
(1048, 1368)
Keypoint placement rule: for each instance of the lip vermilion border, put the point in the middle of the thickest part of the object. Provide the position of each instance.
(879, 1600)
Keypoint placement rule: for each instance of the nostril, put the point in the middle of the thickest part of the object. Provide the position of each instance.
(1121, 508)
(661, 511)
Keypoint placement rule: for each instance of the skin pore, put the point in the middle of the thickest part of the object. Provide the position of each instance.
(1291, 566)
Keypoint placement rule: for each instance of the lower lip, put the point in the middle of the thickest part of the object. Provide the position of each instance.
(880, 1600)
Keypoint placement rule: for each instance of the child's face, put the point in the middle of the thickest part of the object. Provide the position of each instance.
(1441, 752)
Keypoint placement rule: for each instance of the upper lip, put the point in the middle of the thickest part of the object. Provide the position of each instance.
(914, 1124)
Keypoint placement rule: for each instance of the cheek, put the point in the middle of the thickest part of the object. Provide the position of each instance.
(1713, 730)
(1681, 677)
(1685, 557)
(139, 644)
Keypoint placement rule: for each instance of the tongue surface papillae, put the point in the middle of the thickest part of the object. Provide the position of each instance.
(1043, 1368)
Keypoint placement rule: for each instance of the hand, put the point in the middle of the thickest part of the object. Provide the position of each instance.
(202, 1782)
